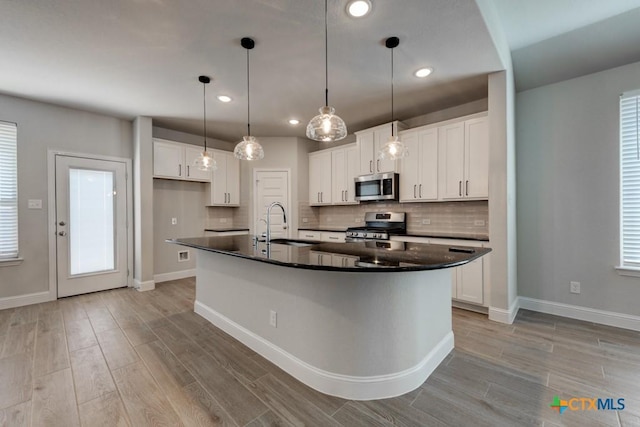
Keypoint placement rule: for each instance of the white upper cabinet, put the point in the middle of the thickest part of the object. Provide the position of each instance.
(345, 166)
(225, 180)
(320, 178)
(419, 171)
(174, 160)
(464, 160)
(370, 141)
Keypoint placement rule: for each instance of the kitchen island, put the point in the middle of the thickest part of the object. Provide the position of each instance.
(358, 320)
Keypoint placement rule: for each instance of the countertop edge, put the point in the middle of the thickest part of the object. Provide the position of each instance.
(334, 268)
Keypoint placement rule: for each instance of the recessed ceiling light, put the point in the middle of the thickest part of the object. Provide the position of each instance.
(294, 121)
(358, 8)
(224, 98)
(423, 72)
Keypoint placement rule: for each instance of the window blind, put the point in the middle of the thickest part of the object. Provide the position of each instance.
(8, 191)
(630, 179)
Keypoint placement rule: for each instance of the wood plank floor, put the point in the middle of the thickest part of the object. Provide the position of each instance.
(121, 357)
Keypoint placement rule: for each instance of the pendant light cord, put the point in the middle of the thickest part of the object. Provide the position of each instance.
(392, 92)
(248, 99)
(326, 57)
(204, 113)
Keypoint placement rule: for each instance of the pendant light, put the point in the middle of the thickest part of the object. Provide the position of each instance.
(394, 148)
(205, 162)
(326, 126)
(249, 148)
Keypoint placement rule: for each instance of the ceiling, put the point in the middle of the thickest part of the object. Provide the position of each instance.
(131, 58)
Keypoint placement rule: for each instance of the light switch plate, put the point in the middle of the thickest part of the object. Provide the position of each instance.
(174, 221)
(426, 221)
(479, 222)
(35, 204)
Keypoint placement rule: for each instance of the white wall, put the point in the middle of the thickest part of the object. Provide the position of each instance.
(41, 127)
(568, 186)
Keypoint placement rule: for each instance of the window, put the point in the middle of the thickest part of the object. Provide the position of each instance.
(630, 180)
(8, 191)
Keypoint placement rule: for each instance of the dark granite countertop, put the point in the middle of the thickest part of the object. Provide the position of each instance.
(351, 256)
(330, 229)
(224, 230)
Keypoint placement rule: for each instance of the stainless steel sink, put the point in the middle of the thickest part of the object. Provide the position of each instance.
(291, 242)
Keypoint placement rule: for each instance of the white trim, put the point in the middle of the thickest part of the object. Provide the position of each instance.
(174, 275)
(628, 271)
(149, 285)
(505, 316)
(345, 386)
(10, 262)
(27, 299)
(51, 212)
(610, 318)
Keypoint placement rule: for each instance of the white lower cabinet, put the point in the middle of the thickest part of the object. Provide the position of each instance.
(330, 236)
(467, 281)
(309, 235)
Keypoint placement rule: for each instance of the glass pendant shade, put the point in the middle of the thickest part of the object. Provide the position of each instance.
(205, 162)
(326, 126)
(393, 149)
(248, 149)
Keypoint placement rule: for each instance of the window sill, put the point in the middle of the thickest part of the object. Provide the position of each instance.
(628, 271)
(10, 262)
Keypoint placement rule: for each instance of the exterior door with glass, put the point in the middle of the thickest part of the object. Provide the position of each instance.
(91, 225)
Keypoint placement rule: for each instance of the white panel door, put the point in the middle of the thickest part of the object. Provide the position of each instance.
(192, 173)
(168, 159)
(451, 151)
(428, 164)
(477, 157)
(91, 225)
(272, 186)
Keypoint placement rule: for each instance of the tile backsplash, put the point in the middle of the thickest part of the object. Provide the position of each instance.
(224, 217)
(454, 219)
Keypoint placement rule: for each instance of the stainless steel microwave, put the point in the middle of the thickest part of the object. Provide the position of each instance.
(380, 186)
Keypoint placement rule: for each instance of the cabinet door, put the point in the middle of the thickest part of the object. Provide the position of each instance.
(191, 173)
(469, 286)
(338, 177)
(381, 137)
(168, 160)
(315, 178)
(427, 156)
(409, 169)
(366, 143)
(233, 180)
(219, 180)
(352, 160)
(476, 137)
(451, 161)
(326, 180)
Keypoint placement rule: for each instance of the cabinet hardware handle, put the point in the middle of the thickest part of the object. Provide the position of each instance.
(179, 170)
(188, 171)
(321, 196)
(370, 165)
(308, 235)
(414, 191)
(460, 188)
(346, 195)
(420, 191)
(466, 188)
(228, 198)
(333, 238)
(378, 165)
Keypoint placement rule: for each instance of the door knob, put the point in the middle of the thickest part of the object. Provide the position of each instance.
(62, 233)
(62, 223)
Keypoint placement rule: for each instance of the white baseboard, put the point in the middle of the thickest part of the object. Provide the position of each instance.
(174, 275)
(148, 285)
(610, 318)
(505, 316)
(345, 386)
(27, 299)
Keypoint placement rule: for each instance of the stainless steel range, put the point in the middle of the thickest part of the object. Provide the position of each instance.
(379, 226)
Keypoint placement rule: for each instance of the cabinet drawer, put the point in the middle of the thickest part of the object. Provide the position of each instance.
(332, 237)
(309, 235)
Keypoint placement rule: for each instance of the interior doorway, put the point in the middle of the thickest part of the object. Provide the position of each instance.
(271, 185)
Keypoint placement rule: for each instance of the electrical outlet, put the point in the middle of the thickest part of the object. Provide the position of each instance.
(174, 221)
(574, 287)
(426, 221)
(273, 318)
(35, 204)
(305, 220)
(479, 222)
